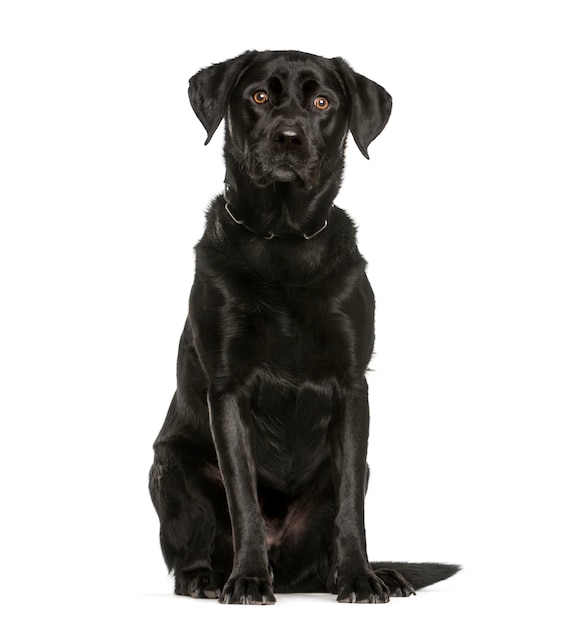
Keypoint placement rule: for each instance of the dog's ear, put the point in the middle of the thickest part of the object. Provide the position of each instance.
(210, 89)
(369, 106)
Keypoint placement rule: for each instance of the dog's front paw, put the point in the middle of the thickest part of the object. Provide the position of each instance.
(362, 587)
(248, 590)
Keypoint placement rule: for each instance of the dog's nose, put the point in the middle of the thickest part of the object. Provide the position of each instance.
(287, 138)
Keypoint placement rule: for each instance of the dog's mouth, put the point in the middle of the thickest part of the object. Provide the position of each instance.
(284, 169)
(285, 173)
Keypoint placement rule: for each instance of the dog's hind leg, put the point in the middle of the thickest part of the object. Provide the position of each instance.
(195, 540)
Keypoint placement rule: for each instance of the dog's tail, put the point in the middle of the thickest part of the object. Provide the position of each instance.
(420, 575)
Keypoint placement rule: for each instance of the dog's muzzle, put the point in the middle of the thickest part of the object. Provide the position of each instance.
(286, 154)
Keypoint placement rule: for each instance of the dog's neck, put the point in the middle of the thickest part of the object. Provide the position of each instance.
(281, 209)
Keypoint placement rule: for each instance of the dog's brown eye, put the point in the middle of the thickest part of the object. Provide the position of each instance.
(321, 103)
(260, 97)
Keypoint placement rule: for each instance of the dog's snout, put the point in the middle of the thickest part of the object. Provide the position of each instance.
(288, 138)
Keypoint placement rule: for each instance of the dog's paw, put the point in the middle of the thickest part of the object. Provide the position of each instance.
(397, 584)
(200, 583)
(248, 590)
(361, 587)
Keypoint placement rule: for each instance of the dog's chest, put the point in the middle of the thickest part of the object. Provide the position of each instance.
(291, 425)
(300, 341)
(302, 351)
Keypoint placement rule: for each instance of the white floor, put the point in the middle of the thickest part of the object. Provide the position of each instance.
(465, 600)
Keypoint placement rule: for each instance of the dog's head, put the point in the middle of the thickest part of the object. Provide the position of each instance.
(288, 113)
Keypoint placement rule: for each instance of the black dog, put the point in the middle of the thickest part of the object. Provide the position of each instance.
(260, 468)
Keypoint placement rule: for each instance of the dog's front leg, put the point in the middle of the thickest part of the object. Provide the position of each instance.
(250, 581)
(351, 575)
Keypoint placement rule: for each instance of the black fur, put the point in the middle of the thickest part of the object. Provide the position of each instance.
(260, 468)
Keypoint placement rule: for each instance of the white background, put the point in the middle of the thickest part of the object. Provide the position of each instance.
(463, 213)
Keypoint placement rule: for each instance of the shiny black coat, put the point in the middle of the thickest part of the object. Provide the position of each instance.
(260, 468)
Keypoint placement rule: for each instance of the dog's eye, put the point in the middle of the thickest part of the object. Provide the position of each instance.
(321, 103)
(260, 97)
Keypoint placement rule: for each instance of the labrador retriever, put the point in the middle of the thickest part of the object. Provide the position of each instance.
(260, 469)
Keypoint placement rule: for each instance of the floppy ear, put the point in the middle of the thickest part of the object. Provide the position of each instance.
(210, 89)
(369, 106)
